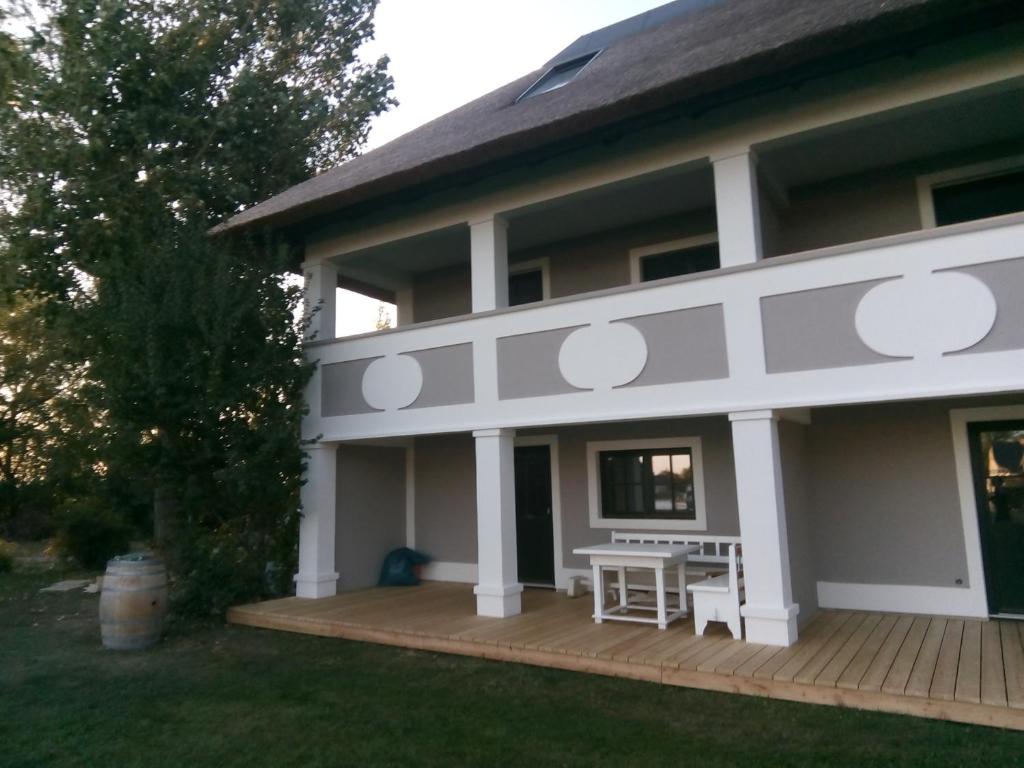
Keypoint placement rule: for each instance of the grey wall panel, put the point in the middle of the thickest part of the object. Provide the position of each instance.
(1006, 281)
(371, 511)
(884, 494)
(685, 345)
(341, 388)
(846, 211)
(446, 497)
(447, 375)
(799, 520)
(810, 330)
(528, 365)
(440, 294)
(719, 475)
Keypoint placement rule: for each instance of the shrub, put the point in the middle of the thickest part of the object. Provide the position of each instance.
(6, 557)
(91, 534)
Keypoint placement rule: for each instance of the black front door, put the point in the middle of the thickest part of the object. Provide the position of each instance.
(534, 531)
(997, 458)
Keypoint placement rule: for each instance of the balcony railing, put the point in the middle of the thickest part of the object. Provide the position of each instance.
(933, 313)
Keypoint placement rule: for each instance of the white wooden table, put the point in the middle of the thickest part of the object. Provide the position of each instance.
(624, 555)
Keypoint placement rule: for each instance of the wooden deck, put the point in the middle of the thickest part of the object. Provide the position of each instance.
(952, 669)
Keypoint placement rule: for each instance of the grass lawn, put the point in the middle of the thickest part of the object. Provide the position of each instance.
(215, 695)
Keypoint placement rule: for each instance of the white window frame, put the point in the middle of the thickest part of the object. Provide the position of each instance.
(699, 523)
(636, 255)
(927, 183)
(543, 264)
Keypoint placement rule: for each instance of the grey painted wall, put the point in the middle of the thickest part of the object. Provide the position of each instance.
(882, 484)
(845, 211)
(799, 518)
(447, 375)
(446, 497)
(581, 265)
(719, 475)
(370, 511)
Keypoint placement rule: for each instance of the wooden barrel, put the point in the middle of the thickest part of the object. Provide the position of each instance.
(133, 602)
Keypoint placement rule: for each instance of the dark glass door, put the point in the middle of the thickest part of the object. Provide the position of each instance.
(534, 526)
(997, 458)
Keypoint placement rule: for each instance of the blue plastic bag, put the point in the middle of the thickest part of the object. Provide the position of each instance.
(399, 569)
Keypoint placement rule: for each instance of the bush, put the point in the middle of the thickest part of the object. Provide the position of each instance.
(6, 557)
(91, 534)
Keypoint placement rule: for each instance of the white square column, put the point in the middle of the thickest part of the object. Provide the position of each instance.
(320, 299)
(488, 248)
(769, 611)
(498, 592)
(738, 209)
(316, 576)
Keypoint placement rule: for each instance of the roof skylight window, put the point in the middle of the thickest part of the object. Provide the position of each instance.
(558, 75)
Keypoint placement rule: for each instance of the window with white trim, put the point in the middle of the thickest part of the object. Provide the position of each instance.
(993, 188)
(674, 258)
(647, 483)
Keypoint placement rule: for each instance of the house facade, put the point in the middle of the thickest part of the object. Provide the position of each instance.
(746, 269)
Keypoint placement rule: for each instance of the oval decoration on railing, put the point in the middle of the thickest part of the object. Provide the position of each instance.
(603, 356)
(392, 382)
(926, 315)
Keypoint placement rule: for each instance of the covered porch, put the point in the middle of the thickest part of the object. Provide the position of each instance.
(963, 670)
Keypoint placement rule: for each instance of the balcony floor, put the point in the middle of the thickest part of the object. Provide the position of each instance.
(950, 669)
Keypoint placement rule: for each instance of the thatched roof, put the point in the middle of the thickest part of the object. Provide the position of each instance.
(687, 52)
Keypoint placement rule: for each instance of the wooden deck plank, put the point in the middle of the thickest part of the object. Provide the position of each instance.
(749, 667)
(848, 655)
(805, 655)
(810, 671)
(968, 675)
(816, 636)
(829, 675)
(740, 657)
(861, 662)
(920, 681)
(903, 664)
(710, 664)
(993, 677)
(1013, 663)
(948, 662)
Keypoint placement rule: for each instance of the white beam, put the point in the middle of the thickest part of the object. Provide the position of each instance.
(738, 209)
(488, 243)
(320, 299)
(317, 576)
(769, 611)
(498, 592)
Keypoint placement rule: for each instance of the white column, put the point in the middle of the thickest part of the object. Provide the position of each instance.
(321, 289)
(499, 592)
(738, 209)
(403, 307)
(316, 576)
(488, 246)
(769, 611)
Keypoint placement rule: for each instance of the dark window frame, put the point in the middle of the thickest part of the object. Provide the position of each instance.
(697, 244)
(608, 485)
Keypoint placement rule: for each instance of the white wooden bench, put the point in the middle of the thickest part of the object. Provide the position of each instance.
(719, 598)
(710, 559)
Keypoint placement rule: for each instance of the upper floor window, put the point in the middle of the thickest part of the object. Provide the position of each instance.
(558, 75)
(528, 282)
(977, 192)
(674, 258)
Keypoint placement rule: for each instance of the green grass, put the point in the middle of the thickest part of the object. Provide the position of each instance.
(216, 695)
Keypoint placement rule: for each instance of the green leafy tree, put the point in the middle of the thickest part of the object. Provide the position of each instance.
(132, 127)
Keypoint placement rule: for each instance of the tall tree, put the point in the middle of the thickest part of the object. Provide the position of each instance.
(131, 127)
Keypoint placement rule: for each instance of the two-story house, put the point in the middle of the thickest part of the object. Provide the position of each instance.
(745, 268)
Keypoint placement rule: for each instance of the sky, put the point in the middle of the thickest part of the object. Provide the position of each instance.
(445, 53)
